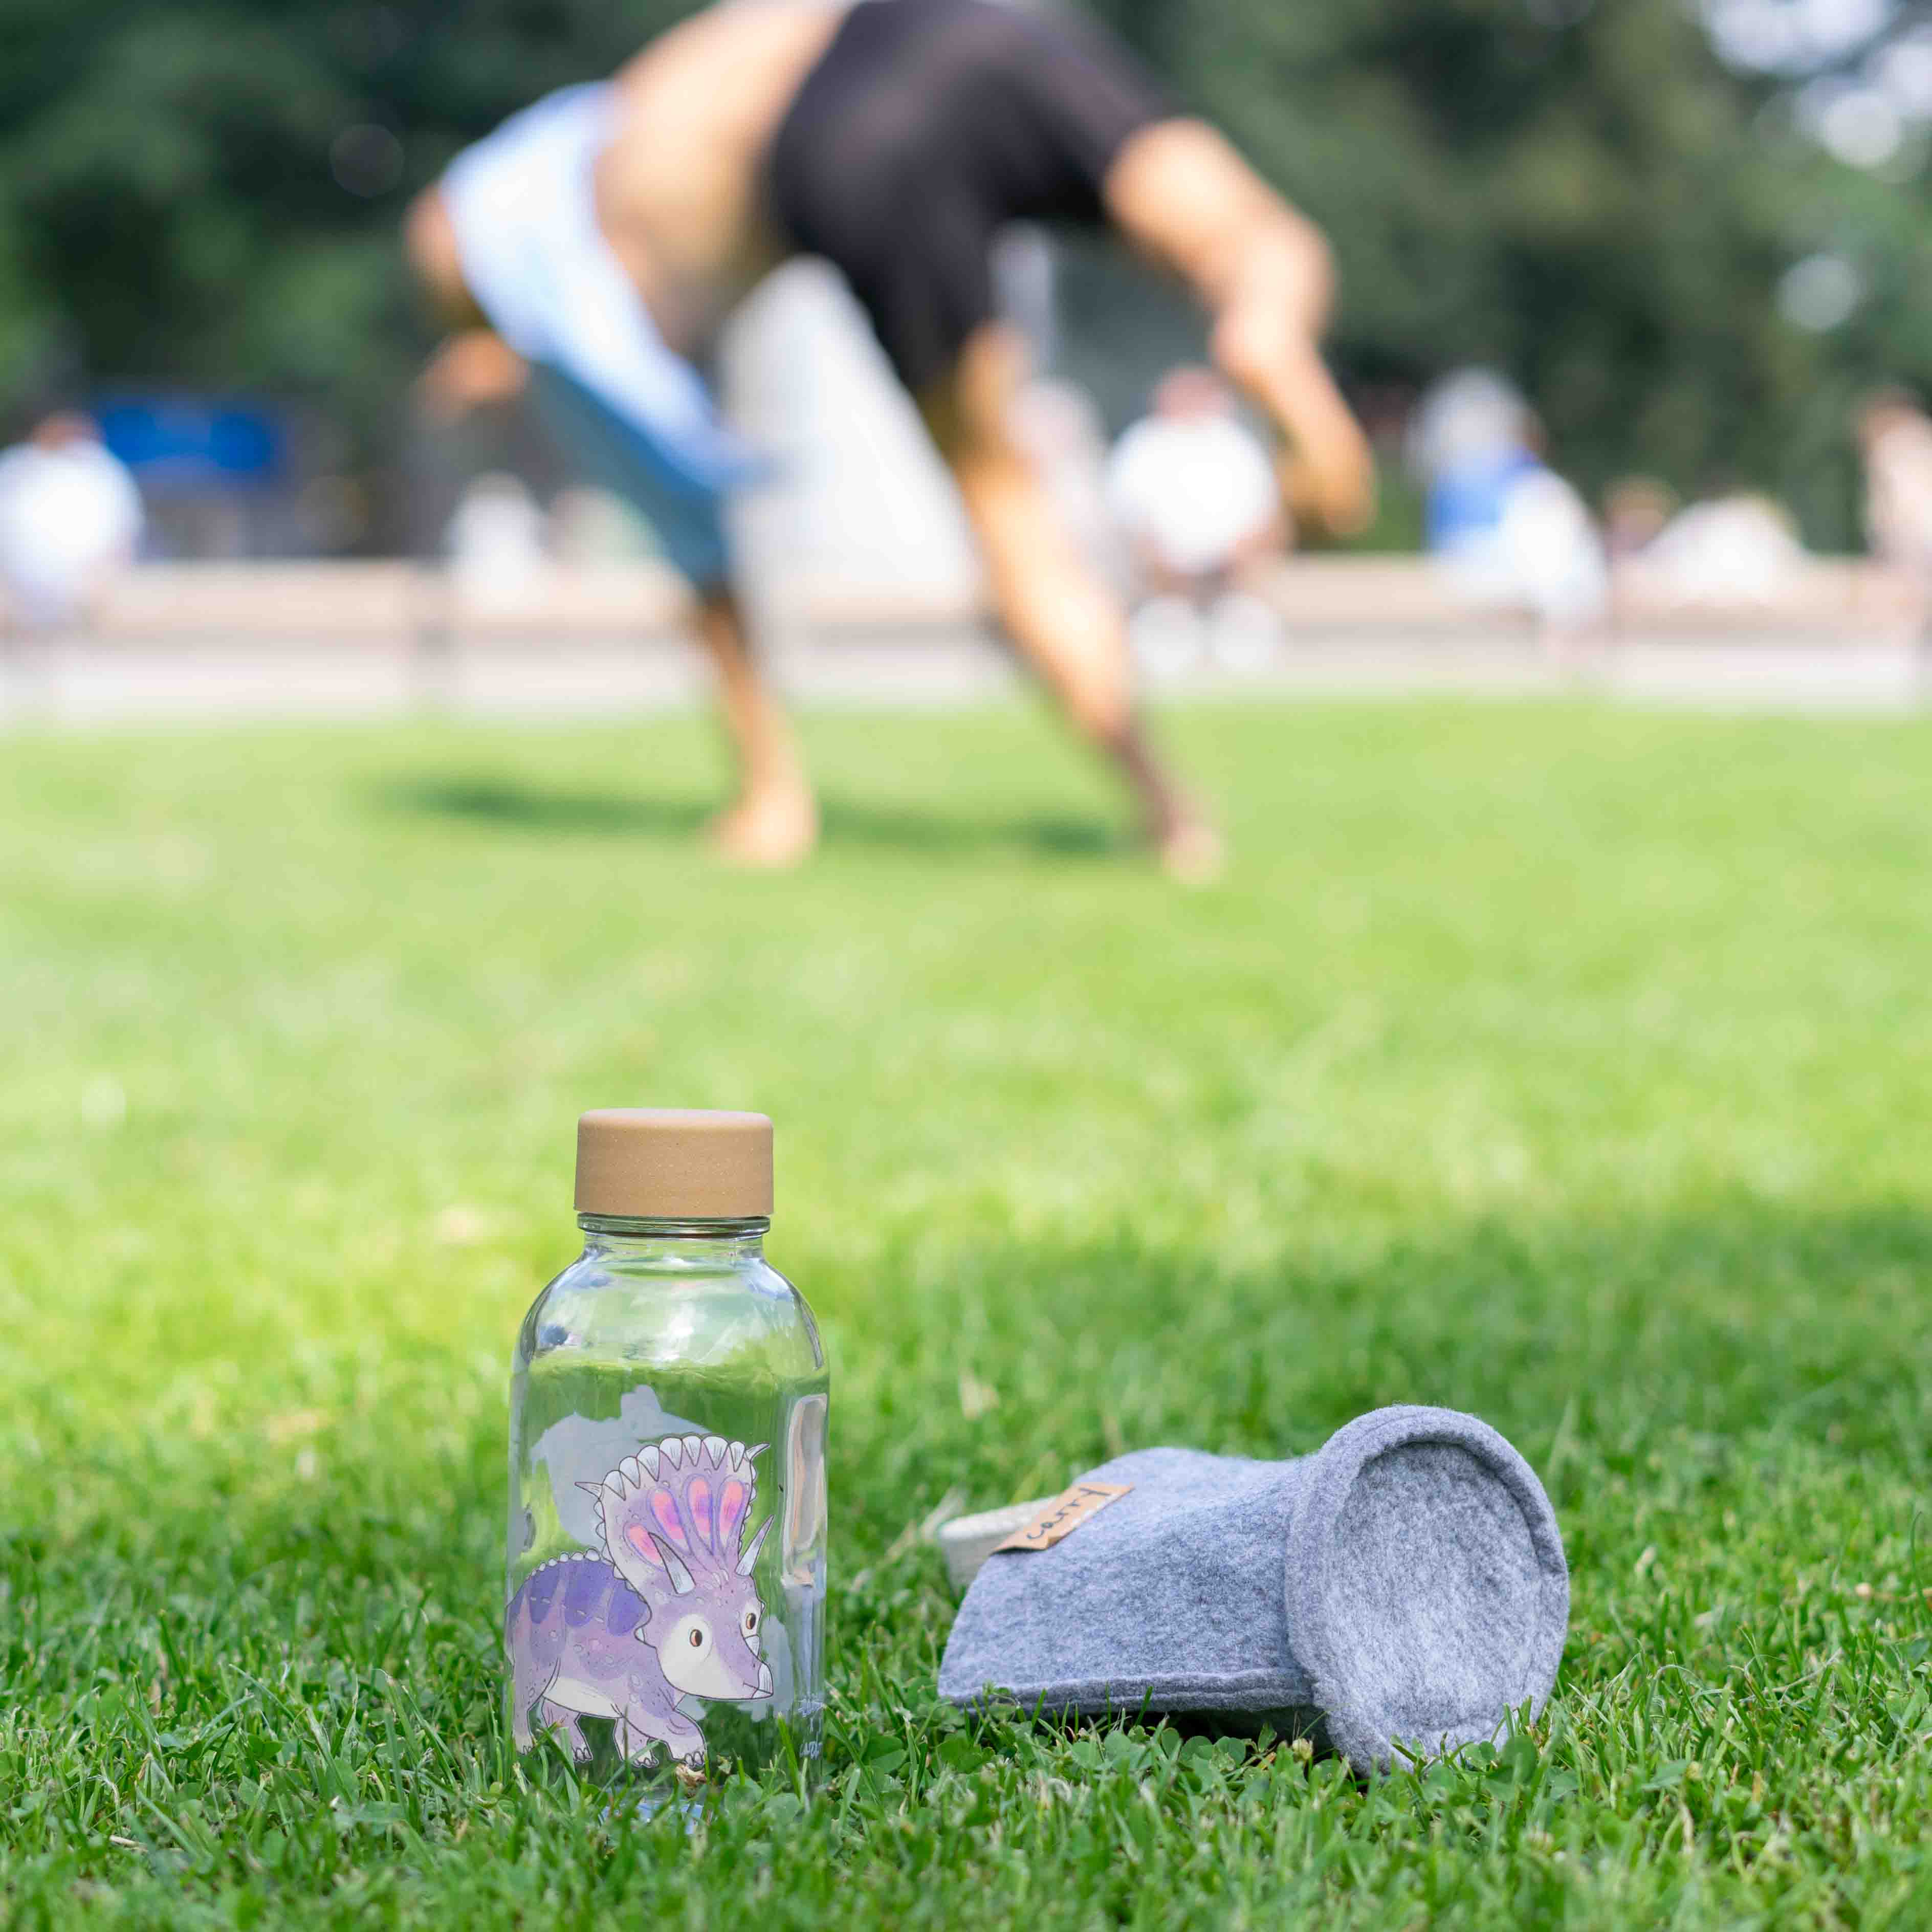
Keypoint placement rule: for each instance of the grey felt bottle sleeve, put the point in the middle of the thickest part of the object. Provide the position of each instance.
(1402, 1591)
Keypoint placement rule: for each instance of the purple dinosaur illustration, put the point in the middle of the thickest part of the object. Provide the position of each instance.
(668, 1609)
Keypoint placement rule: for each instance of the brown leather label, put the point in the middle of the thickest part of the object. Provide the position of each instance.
(1065, 1514)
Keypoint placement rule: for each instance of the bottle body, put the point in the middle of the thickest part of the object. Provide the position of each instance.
(664, 1612)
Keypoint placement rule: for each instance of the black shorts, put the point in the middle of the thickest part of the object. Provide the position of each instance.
(925, 127)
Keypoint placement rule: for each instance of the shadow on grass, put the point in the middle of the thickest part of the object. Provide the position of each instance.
(503, 801)
(1657, 1351)
(506, 802)
(1594, 1344)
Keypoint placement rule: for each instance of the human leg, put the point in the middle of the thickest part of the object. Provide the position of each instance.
(1061, 618)
(775, 820)
(1179, 193)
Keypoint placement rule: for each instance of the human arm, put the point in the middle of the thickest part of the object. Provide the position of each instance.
(473, 366)
(471, 370)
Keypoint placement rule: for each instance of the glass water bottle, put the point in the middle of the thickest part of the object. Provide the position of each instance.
(665, 1620)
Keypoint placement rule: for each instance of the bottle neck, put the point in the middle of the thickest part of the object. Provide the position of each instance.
(634, 1239)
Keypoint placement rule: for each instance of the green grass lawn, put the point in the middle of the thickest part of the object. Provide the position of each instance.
(1567, 1065)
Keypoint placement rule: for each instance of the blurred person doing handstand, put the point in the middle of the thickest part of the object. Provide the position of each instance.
(603, 235)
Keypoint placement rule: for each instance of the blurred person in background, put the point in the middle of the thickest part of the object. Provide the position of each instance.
(494, 540)
(1736, 551)
(1740, 552)
(1194, 494)
(1513, 533)
(1895, 438)
(1636, 509)
(70, 520)
(603, 235)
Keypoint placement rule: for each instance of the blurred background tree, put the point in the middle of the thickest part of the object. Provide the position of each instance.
(1587, 197)
(204, 194)
(1654, 241)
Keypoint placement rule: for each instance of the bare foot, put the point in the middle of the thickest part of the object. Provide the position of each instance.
(769, 833)
(1190, 851)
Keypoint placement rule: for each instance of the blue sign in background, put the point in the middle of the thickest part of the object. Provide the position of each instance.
(190, 445)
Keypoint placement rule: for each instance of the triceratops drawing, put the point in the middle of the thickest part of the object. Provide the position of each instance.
(669, 1608)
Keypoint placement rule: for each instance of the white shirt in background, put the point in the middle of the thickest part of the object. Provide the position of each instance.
(1543, 554)
(495, 540)
(70, 518)
(1734, 550)
(1192, 489)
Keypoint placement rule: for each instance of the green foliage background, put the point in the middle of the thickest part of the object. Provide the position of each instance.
(1580, 193)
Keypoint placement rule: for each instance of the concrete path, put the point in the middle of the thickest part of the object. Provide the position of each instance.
(84, 681)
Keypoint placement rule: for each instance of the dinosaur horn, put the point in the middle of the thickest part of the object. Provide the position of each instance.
(681, 1580)
(751, 1555)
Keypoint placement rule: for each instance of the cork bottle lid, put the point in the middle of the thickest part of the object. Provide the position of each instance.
(673, 1164)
